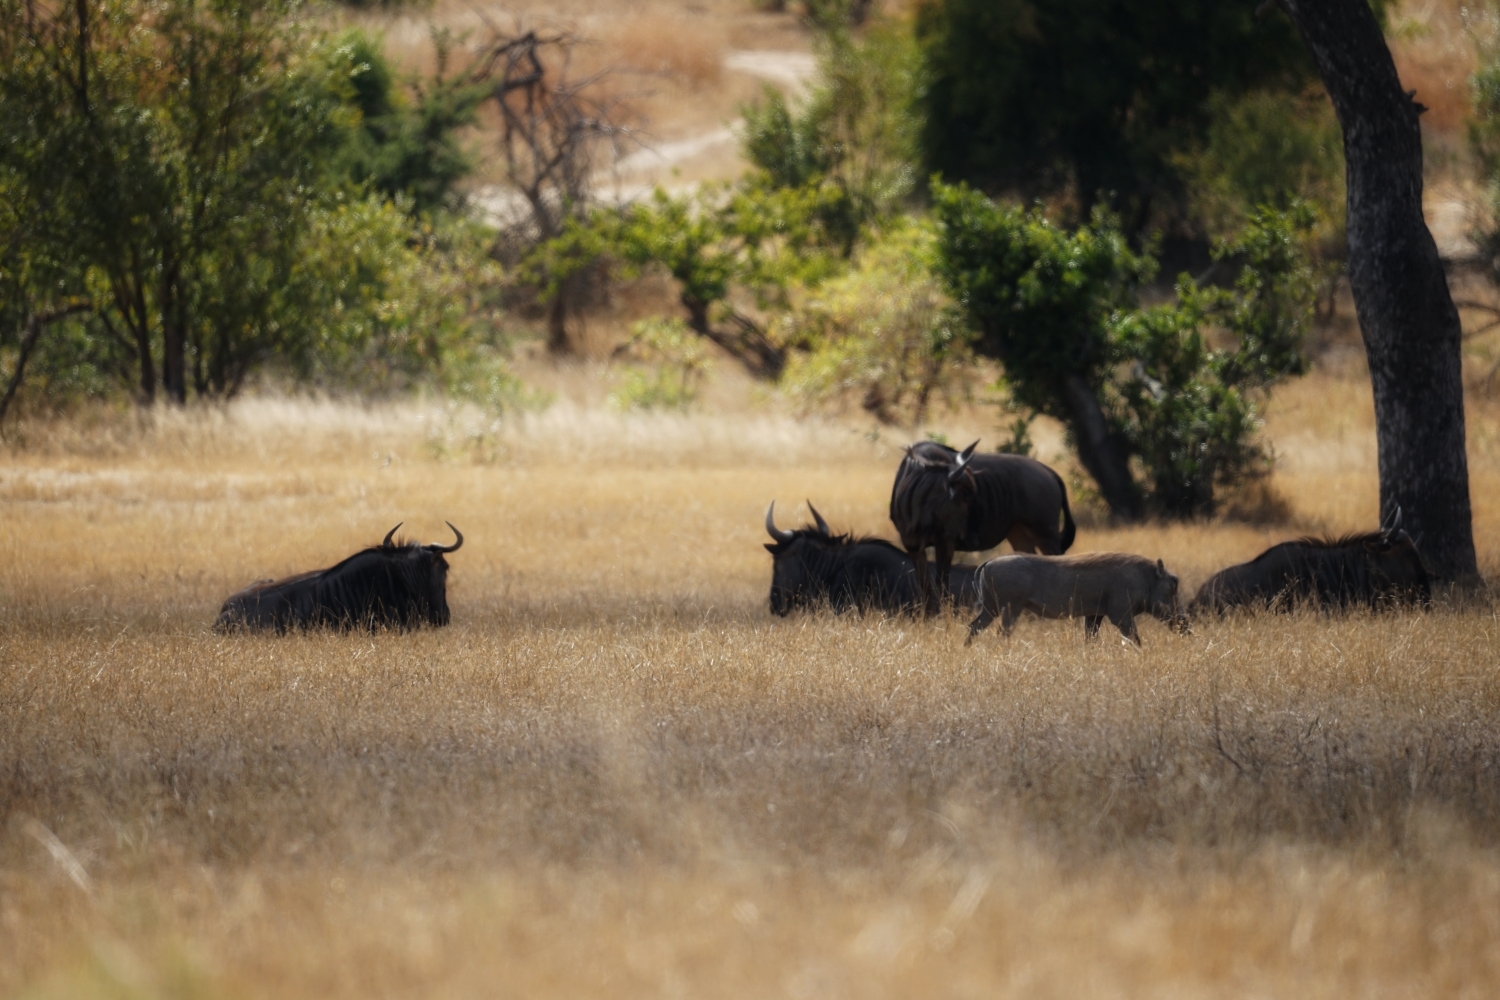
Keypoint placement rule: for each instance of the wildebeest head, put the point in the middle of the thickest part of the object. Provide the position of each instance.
(426, 571)
(796, 557)
(961, 477)
(1395, 563)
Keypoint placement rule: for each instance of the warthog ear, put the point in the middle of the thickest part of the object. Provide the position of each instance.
(1161, 567)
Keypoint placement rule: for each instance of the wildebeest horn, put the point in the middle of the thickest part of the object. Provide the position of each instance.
(822, 524)
(1395, 522)
(390, 534)
(963, 460)
(772, 530)
(449, 548)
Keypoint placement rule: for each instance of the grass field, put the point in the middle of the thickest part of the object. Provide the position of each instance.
(615, 774)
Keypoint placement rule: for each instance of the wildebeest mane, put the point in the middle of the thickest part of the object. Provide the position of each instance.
(1337, 542)
(846, 540)
(349, 592)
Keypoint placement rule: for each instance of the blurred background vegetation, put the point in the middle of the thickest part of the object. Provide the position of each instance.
(1130, 214)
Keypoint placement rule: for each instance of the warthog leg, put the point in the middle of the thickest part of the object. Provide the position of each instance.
(1125, 622)
(1091, 625)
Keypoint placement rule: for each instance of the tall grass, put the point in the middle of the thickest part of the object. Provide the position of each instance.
(616, 774)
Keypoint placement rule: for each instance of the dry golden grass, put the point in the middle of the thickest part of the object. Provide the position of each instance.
(615, 774)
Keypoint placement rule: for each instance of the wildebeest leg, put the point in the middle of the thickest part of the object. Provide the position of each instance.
(943, 554)
(924, 583)
(1022, 540)
(1091, 625)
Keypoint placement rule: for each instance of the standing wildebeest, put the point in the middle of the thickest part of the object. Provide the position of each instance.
(968, 502)
(812, 566)
(1095, 586)
(1377, 568)
(395, 586)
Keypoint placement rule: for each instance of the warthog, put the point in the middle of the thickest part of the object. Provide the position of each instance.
(392, 586)
(969, 503)
(1096, 586)
(813, 566)
(1376, 569)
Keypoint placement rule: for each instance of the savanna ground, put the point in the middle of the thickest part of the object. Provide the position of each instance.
(616, 774)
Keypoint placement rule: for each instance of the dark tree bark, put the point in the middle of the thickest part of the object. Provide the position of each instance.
(748, 344)
(35, 324)
(1101, 453)
(1406, 314)
(173, 337)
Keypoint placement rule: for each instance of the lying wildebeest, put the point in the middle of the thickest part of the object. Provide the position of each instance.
(392, 586)
(968, 503)
(1378, 568)
(1095, 586)
(812, 566)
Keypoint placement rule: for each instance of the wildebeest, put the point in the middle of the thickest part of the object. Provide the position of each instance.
(813, 566)
(1096, 586)
(968, 503)
(399, 585)
(1377, 569)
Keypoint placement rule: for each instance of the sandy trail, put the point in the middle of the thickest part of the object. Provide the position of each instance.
(653, 165)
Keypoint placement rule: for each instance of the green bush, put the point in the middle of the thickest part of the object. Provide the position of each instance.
(1058, 310)
(207, 206)
(1266, 148)
(856, 130)
(885, 334)
(672, 367)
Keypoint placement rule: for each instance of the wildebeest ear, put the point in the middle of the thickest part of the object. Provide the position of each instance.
(1378, 545)
(968, 452)
(772, 547)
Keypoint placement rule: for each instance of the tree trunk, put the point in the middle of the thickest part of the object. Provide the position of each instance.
(557, 325)
(1406, 314)
(173, 341)
(35, 324)
(1100, 451)
(751, 347)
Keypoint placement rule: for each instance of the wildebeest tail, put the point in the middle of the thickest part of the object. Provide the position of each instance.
(1070, 530)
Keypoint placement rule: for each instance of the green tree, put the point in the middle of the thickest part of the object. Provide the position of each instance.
(884, 334)
(405, 144)
(192, 161)
(857, 129)
(1059, 310)
(1092, 97)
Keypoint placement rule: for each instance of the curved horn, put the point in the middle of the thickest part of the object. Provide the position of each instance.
(390, 534)
(963, 460)
(449, 548)
(772, 530)
(822, 524)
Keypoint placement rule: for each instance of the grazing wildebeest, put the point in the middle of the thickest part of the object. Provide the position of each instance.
(1377, 569)
(1095, 586)
(812, 566)
(968, 503)
(389, 585)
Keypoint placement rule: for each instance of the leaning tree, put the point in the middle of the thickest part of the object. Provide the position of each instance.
(1406, 314)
